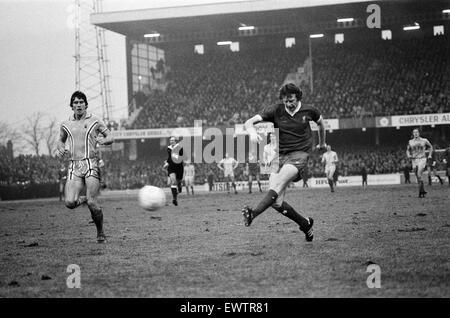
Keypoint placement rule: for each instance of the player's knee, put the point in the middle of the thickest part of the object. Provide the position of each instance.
(92, 203)
(71, 204)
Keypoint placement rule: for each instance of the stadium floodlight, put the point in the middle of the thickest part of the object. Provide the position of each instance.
(415, 26)
(224, 43)
(315, 36)
(246, 27)
(151, 35)
(346, 20)
(446, 11)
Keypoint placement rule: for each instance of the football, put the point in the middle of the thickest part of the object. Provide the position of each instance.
(151, 198)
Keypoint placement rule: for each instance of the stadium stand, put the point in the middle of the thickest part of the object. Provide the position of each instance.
(408, 76)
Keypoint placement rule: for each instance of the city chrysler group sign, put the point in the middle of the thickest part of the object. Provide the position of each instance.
(413, 120)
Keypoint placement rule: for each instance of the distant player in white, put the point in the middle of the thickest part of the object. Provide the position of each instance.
(416, 151)
(227, 165)
(270, 155)
(330, 158)
(189, 176)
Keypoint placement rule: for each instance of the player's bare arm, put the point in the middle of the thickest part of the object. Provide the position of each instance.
(251, 129)
(60, 148)
(430, 147)
(105, 138)
(408, 151)
(321, 131)
(219, 165)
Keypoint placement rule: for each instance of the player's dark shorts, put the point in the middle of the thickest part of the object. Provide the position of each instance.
(254, 169)
(83, 169)
(178, 170)
(299, 159)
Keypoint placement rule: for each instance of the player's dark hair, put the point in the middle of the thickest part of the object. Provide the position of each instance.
(289, 89)
(79, 95)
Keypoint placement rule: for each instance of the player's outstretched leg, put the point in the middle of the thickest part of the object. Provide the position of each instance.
(92, 191)
(277, 184)
(250, 214)
(305, 224)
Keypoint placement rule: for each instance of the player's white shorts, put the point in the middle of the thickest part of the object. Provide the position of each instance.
(420, 163)
(329, 170)
(189, 180)
(227, 174)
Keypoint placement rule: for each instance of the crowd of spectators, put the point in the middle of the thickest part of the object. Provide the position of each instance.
(120, 173)
(28, 169)
(350, 80)
(221, 88)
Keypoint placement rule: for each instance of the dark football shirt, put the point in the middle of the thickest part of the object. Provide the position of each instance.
(294, 131)
(177, 150)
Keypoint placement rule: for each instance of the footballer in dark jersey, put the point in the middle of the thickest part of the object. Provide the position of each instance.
(292, 120)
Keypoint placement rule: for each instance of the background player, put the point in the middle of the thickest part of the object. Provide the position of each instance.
(83, 132)
(292, 119)
(62, 177)
(364, 175)
(270, 155)
(447, 163)
(416, 150)
(431, 169)
(189, 176)
(174, 165)
(252, 170)
(227, 165)
(330, 158)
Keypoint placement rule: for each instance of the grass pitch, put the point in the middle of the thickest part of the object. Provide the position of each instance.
(202, 249)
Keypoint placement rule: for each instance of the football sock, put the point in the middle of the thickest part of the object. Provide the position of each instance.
(249, 186)
(228, 187)
(192, 190)
(421, 187)
(234, 186)
(330, 182)
(289, 211)
(267, 201)
(174, 192)
(259, 185)
(429, 180)
(97, 217)
(440, 179)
